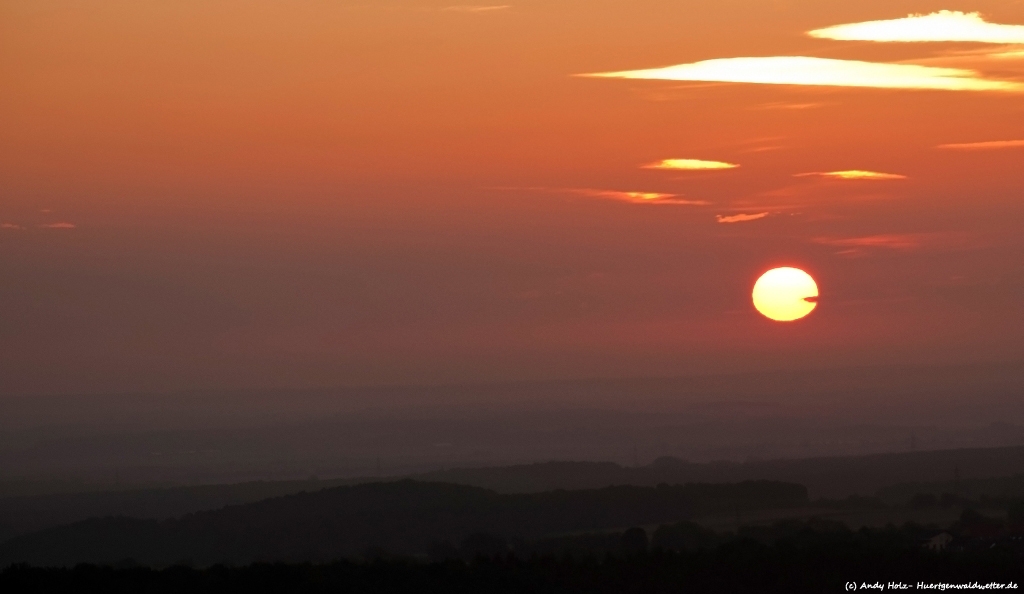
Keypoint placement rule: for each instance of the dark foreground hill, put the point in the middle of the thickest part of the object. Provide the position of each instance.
(403, 517)
(31, 513)
(793, 558)
(406, 518)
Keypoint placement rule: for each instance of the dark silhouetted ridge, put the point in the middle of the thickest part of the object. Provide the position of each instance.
(404, 517)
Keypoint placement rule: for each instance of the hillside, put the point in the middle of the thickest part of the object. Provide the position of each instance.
(837, 476)
(404, 517)
(21, 515)
(834, 477)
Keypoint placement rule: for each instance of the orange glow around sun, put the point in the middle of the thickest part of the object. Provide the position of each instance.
(785, 294)
(418, 192)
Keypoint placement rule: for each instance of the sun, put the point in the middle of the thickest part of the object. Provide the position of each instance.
(785, 294)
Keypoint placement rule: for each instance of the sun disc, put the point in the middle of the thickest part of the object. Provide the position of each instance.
(785, 294)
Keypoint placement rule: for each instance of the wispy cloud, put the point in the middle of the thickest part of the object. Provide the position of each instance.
(1008, 60)
(638, 197)
(853, 174)
(740, 218)
(891, 241)
(764, 149)
(472, 8)
(690, 165)
(61, 225)
(11, 226)
(803, 70)
(984, 146)
(945, 25)
(898, 242)
(788, 105)
(633, 197)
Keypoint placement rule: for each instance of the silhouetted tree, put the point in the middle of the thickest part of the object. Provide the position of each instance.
(684, 536)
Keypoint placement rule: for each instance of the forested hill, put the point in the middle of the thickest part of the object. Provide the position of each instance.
(824, 477)
(829, 477)
(404, 517)
(25, 514)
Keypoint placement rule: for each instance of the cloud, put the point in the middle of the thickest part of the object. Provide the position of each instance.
(788, 105)
(639, 197)
(1004, 59)
(61, 225)
(803, 70)
(984, 146)
(690, 165)
(11, 226)
(764, 149)
(944, 25)
(740, 218)
(631, 197)
(622, 196)
(892, 242)
(471, 8)
(853, 174)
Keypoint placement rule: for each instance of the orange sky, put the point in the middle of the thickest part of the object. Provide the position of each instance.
(266, 193)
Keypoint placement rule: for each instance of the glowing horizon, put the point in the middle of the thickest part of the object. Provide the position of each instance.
(941, 26)
(811, 71)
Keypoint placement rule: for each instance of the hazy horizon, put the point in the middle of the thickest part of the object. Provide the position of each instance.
(215, 437)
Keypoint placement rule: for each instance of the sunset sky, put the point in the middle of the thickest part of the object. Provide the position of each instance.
(209, 194)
